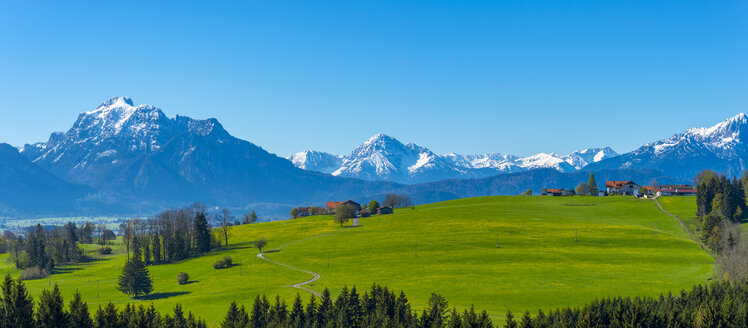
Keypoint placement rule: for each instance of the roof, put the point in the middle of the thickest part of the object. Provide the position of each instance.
(365, 212)
(554, 191)
(379, 208)
(617, 184)
(676, 187)
(650, 188)
(333, 204)
(303, 209)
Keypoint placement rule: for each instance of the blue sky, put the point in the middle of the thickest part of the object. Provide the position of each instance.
(515, 77)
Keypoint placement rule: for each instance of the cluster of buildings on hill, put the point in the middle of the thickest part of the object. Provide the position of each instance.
(631, 188)
(331, 207)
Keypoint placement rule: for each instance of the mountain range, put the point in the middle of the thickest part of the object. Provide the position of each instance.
(385, 158)
(123, 159)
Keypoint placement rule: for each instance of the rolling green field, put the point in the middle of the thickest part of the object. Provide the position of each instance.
(449, 248)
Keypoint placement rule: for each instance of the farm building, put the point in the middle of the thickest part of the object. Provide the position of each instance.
(628, 188)
(651, 190)
(365, 213)
(677, 190)
(332, 206)
(554, 192)
(385, 210)
(303, 211)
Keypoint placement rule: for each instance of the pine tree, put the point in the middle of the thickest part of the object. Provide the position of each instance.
(592, 185)
(526, 321)
(135, 279)
(311, 312)
(325, 309)
(19, 309)
(156, 248)
(50, 312)
(106, 317)
(79, 317)
(201, 233)
(297, 317)
(510, 323)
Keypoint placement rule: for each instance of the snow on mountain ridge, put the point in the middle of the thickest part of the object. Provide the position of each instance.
(382, 157)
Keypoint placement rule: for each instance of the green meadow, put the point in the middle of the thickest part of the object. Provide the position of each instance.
(497, 253)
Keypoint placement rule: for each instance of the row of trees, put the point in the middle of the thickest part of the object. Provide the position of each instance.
(379, 307)
(720, 304)
(42, 249)
(17, 310)
(721, 206)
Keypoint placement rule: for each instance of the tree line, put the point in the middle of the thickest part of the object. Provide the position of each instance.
(719, 304)
(17, 309)
(721, 206)
(378, 307)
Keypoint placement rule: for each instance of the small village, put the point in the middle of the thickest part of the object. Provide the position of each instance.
(629, 188)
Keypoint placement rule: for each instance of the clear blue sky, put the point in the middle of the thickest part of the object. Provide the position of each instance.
(514, 77)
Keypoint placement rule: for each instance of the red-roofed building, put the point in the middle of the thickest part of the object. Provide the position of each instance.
(332, 206)
(677, 190)
(553, 192)
(629, 188)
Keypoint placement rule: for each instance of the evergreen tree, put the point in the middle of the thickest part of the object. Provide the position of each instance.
(135, 279)
(156, 241)
(324, 310)
(526, 321)
(79, 316)
(106, 317)
(297, 318)
(50, 312)
(259, 317)
(510, 323)
(201, 233)
(19, 311)
(592, 185)
(311, 312)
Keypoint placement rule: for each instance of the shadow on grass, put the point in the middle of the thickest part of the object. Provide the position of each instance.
(272, 251)
(191, 282)
(159, 296)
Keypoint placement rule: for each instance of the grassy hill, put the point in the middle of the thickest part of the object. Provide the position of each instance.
(447, 248)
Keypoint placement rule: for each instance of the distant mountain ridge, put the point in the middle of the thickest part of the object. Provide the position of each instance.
(123, 159)
(720, 148)
(385, 158)
(138, 156)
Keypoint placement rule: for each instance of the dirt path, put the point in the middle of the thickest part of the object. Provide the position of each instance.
(315, 276)
(688, 231)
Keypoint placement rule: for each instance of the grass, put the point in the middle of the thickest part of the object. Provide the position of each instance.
(448, 248)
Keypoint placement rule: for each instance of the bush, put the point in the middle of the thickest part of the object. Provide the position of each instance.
(219, 264)
(227, 261)
(183, 278)
(34, 273)
(105, 250)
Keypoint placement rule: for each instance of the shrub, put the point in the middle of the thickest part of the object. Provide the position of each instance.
(183, 278)
(227, 261)
(219, 264)
(105, 250)
(34, 273)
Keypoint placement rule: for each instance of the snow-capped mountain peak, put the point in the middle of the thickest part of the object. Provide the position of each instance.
(382, 157)
(718, 147)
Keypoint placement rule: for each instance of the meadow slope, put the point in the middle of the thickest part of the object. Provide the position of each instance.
(448, 248)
